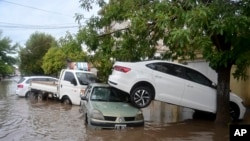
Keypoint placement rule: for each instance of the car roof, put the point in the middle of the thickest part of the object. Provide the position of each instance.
(70, 70)
(163, 61)
(27, 77)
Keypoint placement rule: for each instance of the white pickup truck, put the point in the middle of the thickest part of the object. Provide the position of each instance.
(71, 84)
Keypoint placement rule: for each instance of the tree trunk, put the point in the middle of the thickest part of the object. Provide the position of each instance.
(223, 90)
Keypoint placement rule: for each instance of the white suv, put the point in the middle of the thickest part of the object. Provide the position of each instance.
(169, 82)
(24, 82)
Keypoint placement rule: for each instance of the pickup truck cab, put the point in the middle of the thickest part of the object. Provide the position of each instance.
(70, 86)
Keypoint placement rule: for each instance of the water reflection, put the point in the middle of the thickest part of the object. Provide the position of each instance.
(28, 120)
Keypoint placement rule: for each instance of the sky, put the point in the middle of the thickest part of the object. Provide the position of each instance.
(21, 18)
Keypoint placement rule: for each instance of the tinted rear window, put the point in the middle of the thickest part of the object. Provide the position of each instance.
(21, 80)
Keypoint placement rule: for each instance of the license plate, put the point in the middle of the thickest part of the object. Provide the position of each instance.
(120, 126)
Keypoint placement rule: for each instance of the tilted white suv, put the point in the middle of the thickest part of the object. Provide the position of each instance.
(169, 82)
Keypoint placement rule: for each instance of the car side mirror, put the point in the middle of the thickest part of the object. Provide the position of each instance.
(214, 85)
(73, 81)
(84, 98)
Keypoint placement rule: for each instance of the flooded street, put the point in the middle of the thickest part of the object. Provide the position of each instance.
(24, 119)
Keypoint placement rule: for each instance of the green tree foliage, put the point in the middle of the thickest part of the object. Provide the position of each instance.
(6, 61)
(56, 58)
(31, 56)
(110, 43)
(219, 29)
(53, 61)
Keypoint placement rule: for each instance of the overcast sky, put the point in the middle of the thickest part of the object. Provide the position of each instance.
(20, 18)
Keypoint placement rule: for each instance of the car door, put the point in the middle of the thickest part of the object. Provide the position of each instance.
(67, 87)
(169, 85)
(199, 92)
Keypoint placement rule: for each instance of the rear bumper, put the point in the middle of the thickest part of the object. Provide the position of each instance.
(19, 93)
(119, 83)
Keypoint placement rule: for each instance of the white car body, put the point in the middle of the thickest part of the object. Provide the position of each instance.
(24, 82)
(168, 82)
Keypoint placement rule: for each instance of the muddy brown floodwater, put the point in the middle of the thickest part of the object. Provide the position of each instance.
(30, 120)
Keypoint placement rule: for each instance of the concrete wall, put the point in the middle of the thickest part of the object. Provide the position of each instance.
(160, 112)
(241, 87)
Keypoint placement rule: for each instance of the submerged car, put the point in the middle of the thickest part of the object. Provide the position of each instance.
(172, 83)
(107, 107)
(22, 89)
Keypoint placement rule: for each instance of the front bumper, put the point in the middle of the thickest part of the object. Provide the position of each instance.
(108, 124)
(242, 111)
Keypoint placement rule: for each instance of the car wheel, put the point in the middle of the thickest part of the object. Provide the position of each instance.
(86, 119)
(66, 101)
(40, 97)
(27, 95)
(141, 97)
(234, 112)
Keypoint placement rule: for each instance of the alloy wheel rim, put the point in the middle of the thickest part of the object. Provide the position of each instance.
(141, 97)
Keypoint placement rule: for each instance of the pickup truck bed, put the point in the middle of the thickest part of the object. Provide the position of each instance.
(50, 87)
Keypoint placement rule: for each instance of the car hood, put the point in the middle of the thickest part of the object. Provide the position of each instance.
(115, 108)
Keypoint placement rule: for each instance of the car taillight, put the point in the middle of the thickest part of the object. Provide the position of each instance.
(122, 69)
(20, 86)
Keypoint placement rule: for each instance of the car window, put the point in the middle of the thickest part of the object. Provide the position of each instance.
(168, 68)
(21, 80)
(84, 78)
(197, 77)
(68, 76)
(108, 94)
(28, 80)
(174, 70)
(92, 77)
(39, 79)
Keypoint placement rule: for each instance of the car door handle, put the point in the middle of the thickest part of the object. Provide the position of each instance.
(190, 86)
(157, 76)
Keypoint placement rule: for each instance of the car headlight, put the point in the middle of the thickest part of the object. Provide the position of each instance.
(139, 115)
(97, 115)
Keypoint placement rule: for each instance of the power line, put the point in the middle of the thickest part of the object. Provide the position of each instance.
(31, 7)
(23, 26)
(62, 27)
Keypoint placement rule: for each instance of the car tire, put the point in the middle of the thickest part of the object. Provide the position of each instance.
(40, 97)
(141, 96)
(86, 119)
(66, 101)
(27, 95)
(234, 111)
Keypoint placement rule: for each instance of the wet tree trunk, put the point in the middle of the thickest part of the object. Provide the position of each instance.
(223, 90)
(223, 69)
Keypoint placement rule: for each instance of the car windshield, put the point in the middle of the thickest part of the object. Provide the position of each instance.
(85, 78)
(108, 94)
